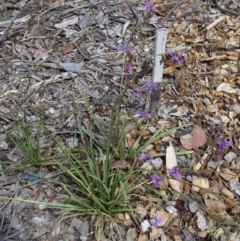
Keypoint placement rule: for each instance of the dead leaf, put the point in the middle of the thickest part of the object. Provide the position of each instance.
(218, 234)
(171, 161)
(215, 205)
(227, 174)
(38, 52)
(200, 182)
(124, 219)
(195, 139)
(181, 110)
(55, 4)
(227, 193)
(226, 87)
(199, 108)
(170, 71)
(186, 141)
(155, 233)
(143, 237)
(176, 185)
(68, 48)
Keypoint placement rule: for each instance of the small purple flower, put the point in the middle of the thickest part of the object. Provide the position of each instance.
(175, 173)
(149, 87)
(170, 50)
(145, 157)
(224, 144)
(157, 181)
(128, 68)
(143, 114)
(156, 220)
(137, 94)
(150, 6)
(125, 48)
(180, 59)
(174, 57)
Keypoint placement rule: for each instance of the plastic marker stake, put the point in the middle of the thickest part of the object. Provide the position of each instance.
(160, 48)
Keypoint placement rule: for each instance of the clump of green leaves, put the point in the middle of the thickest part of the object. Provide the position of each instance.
(26, 137)
(96, 185)
(5, 15)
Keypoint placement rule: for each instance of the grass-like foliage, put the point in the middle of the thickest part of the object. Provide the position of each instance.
(26, 137)
(5, 15)
(99, 182)
(95, 185)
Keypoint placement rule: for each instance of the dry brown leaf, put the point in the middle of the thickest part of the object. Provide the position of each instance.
(68, 48)
(171, 161)
(186, 141)
(195, 139)
(230, 203)
(170, 71)
(209, 191)
(181, 110)
(199, 137)
(124, 219)
(215, 205)
(227, 174)
(129, 141)
(143, 237)
(217, 178)
(38, 52)
(200, 182)
(176, 185)
(199, 108)
(155, 233)
(55, 4)
(177, 238)
(227, 193)
(218, 233)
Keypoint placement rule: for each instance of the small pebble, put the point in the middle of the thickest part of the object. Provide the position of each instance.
(157, 163)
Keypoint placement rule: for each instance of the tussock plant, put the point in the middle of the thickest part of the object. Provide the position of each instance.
(26, 138)
(98, 182)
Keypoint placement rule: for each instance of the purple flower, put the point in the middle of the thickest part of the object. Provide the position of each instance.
(136, 94)
(156, 220)
(145, 157)
(143, 114)
(223, 144)
(125, 48)
(170, 50)
(174, 57)
(149, 87)
(175, 173)
(128, 68)
(180, 59)
(150, 6)
(157, 181)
